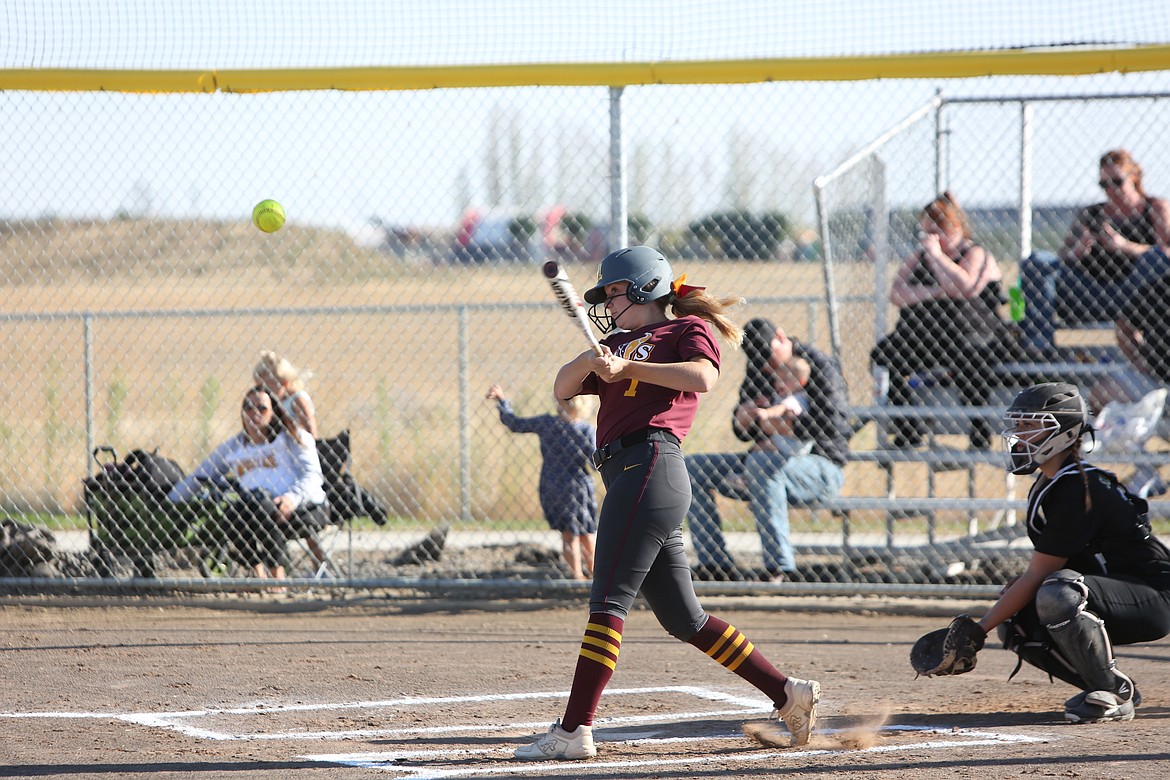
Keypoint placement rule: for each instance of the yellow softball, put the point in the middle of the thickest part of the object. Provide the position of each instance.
(268, 216)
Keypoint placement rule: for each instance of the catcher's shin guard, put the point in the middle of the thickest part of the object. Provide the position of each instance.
(1079, 635)
(1037, 650)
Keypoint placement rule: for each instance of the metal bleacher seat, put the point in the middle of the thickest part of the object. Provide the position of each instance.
(937, 458)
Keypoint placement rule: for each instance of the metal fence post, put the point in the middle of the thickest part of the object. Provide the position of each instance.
(464, 417)
(1025, 179)
(87, 336)
(618, 228)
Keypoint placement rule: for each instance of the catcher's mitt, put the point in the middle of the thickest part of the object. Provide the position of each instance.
(949, 650)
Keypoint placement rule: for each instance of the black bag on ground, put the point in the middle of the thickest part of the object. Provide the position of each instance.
(156, 474)
(26, 550)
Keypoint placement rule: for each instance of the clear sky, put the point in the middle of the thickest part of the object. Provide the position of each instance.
(200, 34)
(420, 157)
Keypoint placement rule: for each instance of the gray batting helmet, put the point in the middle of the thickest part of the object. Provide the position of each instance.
(644, 268)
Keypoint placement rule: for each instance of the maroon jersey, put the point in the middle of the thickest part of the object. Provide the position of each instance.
(630, 405)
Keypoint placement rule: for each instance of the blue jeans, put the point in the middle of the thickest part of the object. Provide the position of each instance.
(772, 483)
(1054, 289)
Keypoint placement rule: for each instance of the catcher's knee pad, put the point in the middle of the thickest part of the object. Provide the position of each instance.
(1061, 597)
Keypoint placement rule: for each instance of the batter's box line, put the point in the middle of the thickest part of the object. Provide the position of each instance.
(176, 721)
(382, 761)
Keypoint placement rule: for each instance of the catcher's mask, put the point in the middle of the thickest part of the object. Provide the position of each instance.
(1042, 422)
(644, 268)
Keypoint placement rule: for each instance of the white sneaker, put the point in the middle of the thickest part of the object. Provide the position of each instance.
(800, 710)
(558, 743)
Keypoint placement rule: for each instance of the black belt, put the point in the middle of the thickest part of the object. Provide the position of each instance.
(631, 439)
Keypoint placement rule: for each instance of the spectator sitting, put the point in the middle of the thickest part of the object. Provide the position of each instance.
(1111, 249)
(773, 479)
(789, 382)
(276, 467)
(947, 294)
(1142, 329)
(567, 493)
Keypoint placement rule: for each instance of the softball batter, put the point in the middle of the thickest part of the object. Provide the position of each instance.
(648, 380)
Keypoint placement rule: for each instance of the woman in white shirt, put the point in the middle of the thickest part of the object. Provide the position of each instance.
(275, 465)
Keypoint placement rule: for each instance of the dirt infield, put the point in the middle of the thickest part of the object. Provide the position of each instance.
(379, 687)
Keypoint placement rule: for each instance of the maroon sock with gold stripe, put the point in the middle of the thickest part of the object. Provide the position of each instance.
(595, 665)
(734, 651)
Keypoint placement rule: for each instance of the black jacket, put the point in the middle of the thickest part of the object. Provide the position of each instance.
(826, 422)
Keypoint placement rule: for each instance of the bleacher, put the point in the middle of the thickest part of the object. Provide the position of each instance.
(993, 518)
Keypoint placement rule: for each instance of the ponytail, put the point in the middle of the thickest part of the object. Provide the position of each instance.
(700, 303)
(1084, 476)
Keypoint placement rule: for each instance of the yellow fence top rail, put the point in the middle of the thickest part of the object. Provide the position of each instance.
(1059, 61)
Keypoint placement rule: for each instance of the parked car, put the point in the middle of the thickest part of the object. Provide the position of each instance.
(506, 235)
(494, 236)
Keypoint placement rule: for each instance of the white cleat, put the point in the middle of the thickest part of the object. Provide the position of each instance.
(560, 744)
(799, 712)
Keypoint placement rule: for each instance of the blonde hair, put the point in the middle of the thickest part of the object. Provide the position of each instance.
(281, 369)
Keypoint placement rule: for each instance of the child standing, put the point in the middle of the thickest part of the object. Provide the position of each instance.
(567, 494)
(286, 383)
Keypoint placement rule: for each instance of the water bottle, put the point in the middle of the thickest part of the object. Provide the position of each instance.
(881, 385)
(1016, 303)
(923, 381)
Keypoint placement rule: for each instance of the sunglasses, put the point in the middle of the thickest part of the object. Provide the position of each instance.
(254, 407)
(1107, 183)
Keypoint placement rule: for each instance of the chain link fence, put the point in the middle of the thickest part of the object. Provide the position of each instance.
(936, 376)
(139, 296)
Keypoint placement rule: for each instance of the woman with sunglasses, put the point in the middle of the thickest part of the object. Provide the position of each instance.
(1111, 249)
(275, 467)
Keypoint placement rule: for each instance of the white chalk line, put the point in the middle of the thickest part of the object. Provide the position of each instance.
(176, 721)
(384, 762)
(154, 721)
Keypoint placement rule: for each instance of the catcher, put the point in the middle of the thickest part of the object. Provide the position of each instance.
(1097, 577)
